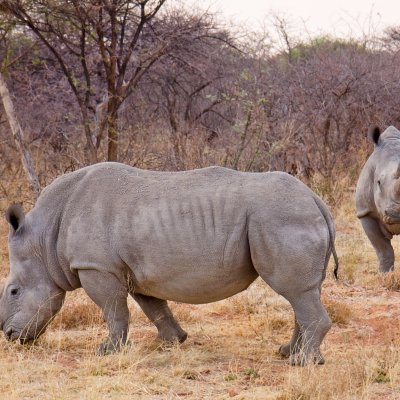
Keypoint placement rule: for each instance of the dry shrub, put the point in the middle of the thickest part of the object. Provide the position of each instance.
(78, 315)
(391, 280)
(383, 366)
(353, 374)
(349, 261)
(279, 324)
(357, 258)
(3, 249)
(377, 371)
(322, 383)
(244, 305)
(340, 313)
(333, 190)
(185, 312)
(236, 306)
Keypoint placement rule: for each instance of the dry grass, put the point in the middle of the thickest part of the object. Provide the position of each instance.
(391, 280)
(339, 312)
(232, 347)
(79, 313)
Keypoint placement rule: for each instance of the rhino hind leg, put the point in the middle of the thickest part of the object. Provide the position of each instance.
(111, 296)
(293, 347)
(295, 269)
(314, 323)
(158, 312)
(381, 244)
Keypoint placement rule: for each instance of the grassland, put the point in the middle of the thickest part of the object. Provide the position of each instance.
(231, 351)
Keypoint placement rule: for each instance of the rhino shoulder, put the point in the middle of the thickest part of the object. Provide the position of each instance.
(62, 186)
(364, 196)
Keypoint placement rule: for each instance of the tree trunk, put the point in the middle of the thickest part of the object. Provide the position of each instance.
(112, 121)
(90, 149)
(18, 135)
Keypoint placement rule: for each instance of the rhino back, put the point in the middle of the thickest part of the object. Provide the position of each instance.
(181, 236)
(180, 229)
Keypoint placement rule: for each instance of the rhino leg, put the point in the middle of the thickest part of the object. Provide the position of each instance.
(381, 244)
(286, 350)
(158, 312)
(295, 269)
(111, 296)
(314, 324)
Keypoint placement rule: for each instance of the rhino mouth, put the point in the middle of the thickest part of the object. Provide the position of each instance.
(391, 217)
(13, 335)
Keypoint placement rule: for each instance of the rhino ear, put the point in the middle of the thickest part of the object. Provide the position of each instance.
(15, 217)
(374, 133)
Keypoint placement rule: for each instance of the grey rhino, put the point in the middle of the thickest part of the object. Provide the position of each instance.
(193, 237)
(378, 194)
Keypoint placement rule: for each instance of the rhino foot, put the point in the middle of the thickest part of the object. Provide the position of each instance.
(286, 350)
(172, 337)
(386, 267)
(110, 347)
(300, 359)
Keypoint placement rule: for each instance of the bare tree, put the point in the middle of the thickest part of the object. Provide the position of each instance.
(96, 41)
(19, 137)
(18, 133)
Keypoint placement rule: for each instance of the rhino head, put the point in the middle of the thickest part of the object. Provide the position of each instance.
(29, 298)
(386, 185)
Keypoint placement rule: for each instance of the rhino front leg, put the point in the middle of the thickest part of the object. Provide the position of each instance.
(158, 312)
(111, 296)
(381, 244)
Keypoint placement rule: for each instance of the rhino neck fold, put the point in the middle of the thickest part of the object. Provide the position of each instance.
(58, 271)
(60, 274)
(363, 213)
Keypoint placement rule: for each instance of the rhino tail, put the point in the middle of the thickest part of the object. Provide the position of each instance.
(331, 228)
(335, 257)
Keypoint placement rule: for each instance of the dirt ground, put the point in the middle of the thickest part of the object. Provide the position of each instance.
(231, 351)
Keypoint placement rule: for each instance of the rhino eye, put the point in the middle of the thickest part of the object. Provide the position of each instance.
(379, 182)
(14, 291)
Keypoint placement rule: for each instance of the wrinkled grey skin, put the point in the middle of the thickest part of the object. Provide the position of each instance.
(378, 194)
(194, 237)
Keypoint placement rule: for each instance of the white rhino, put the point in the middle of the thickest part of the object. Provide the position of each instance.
(378, 194)
(194, 237)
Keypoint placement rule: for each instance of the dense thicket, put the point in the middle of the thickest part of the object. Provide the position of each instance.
(207, 99)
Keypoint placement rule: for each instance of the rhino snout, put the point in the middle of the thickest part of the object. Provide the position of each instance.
(12, 334)
(9, 333)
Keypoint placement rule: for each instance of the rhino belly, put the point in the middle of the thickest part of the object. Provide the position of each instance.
(199, 285)
(196, 252)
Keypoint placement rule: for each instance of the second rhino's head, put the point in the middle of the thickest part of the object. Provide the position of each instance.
(386, 182)
(29, 298)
